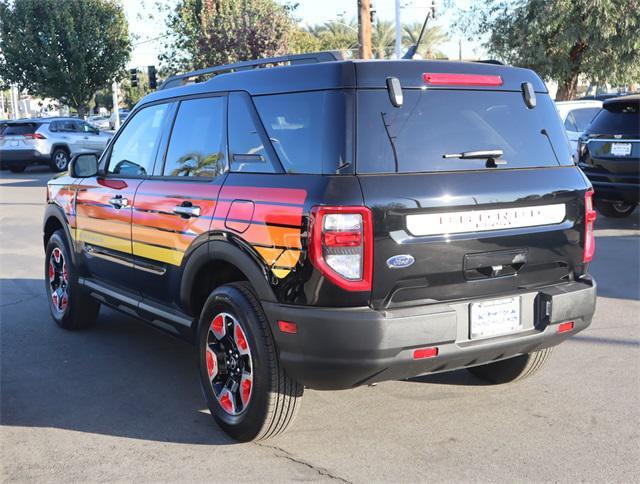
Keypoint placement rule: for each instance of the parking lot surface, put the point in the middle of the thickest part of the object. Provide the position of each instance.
(122, 402)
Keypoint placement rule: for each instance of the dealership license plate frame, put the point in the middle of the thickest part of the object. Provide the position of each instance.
(621, 149)
(495, 317)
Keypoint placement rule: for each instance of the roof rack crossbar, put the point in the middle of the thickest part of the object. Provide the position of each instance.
(314, 57)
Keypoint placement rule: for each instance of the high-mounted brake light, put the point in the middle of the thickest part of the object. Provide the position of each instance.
(589, 223)
(341, 245)
(443, 79)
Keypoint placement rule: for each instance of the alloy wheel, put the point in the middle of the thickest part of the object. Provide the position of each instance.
(58, 281)
(229, 363)
(61, 160)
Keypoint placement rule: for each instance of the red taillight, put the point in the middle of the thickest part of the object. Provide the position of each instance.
(341, 245)
(425, 353)
(288, 327)
(564, 327)
(438, 79)
(589, 223)
(34, 136)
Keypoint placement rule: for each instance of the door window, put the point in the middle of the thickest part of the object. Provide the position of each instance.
(582, 117)
(196, 146)
(569, 123)
(134, 151)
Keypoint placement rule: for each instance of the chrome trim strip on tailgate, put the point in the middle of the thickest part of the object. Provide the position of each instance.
(484, 220)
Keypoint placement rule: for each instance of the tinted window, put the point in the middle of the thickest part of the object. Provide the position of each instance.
(197, 147)
(583, 117)
(435, 122)
(20, 129)
(85, 127)
(569, 123)
(310, 131)
(617, 118)
(246, 147)
(134, 151)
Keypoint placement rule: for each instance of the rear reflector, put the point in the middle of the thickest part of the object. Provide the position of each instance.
(288, 327)
(589, 227)
(564, 327)
(442, 79)
(425, 353)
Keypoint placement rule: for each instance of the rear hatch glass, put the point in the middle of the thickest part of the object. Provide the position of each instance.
(435, 122)
(20, 129)
(617, 118)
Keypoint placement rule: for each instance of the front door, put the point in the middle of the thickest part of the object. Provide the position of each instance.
(173, 210)
(104, 203)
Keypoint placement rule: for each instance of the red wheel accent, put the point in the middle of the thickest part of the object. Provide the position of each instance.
(245, 389)
(226, 402)
(52, 271)
(212, 364)
(218, 327)
(56, 255)
(65, 273)
(63, 302)
(54, 298)
(240, 338)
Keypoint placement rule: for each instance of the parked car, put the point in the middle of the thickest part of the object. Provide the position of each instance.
(576, 116)
(329, 224)
(99, 122)
(123, 115)
(609, 154)
(50, 141)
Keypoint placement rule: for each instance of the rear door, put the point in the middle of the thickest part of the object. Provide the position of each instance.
(473, 227)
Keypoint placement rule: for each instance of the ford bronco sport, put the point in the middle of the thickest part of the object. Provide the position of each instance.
(309, 221)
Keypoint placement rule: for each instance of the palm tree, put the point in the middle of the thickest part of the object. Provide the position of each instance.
(383, 39)
(336, 35)
(433, 36)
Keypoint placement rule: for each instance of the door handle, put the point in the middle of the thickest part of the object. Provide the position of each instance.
(119, 202)
(187, 211)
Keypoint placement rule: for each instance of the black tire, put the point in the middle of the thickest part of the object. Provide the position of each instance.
(80, 310)
(615, 209)
(275, 397)
(513, 369)
(60, 159)
(17, 168)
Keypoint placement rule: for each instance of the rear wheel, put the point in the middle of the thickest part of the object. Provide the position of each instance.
(615, 209)
(513, 369)
(17, 168)
(71, 308)
(247, 391)
(59, 159)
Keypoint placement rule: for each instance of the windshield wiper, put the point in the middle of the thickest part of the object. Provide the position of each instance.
(492, 156)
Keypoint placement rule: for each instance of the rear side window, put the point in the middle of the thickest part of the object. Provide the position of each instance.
(582, 117)
(310, 131)
(618, 118)
(433, 123)
(20, 129)
(196, 146)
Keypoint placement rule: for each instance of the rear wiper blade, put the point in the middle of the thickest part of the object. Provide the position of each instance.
(492, 156)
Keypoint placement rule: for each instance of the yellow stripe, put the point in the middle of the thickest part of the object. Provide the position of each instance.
(103, 240)
(169, 256)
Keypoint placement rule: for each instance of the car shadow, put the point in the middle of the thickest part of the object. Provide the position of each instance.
(119, 378)
(33, 176)
(616, 266)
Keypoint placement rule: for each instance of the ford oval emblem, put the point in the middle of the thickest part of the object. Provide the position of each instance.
(400, 261)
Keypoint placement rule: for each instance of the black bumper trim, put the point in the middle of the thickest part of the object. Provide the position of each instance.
(344, 348)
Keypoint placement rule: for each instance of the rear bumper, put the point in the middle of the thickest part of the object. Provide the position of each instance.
(344, 348)
(21, 157)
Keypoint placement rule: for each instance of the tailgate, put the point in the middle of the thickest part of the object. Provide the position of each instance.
(474, 233)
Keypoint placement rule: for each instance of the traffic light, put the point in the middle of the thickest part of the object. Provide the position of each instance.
(133, 77)
(151, 70)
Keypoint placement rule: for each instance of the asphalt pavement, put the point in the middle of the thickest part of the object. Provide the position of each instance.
(121, 402)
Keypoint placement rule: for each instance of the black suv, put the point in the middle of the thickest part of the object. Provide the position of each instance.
(330, 223)
(609, 154)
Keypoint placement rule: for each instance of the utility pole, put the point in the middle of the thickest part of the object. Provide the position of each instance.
(364, 29)
(398, 31)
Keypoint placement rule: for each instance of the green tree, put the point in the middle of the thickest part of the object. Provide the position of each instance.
(431, 39)
(214, 32)
(383, 39)
(336, 35)
(63, 49)
(563, 40)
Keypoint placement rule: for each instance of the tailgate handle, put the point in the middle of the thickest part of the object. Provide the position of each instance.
(494, 264)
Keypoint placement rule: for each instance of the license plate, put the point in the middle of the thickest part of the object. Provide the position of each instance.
(620, 149)
(495, 317)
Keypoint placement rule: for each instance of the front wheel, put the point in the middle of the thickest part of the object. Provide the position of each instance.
(512, 369)
(615, 209)
(247, 391)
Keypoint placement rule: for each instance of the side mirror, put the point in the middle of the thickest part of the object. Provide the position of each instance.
(395, 92)
(83, 165)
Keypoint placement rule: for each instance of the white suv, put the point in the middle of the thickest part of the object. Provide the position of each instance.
(48, 140)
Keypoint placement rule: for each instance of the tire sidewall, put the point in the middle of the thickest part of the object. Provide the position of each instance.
(58, 240)
(230, 299)
(54, 166)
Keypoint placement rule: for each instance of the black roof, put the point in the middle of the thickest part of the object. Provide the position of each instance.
(633, 98)
(341, 74)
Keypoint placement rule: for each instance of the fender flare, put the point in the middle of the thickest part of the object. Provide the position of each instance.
(55, 211)
(221, 250)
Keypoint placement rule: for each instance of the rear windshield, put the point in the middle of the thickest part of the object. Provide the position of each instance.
(617, 118)
(19, 129)
(435, 122)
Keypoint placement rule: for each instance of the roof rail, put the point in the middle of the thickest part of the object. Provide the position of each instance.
(314, 57)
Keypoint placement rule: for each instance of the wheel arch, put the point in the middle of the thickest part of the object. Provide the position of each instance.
(55, 219)
(63, 146)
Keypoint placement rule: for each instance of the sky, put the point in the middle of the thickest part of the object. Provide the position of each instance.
(309, 12)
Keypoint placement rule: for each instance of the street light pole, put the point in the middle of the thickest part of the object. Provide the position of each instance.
(114, 89)
(398, 52)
